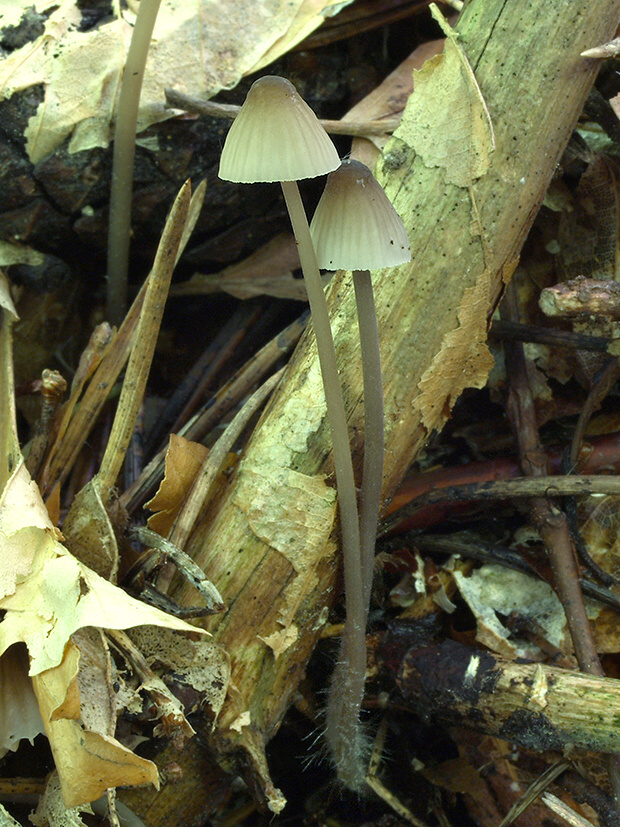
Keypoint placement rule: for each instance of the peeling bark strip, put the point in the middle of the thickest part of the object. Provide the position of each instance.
(533, 706)
(465, 241)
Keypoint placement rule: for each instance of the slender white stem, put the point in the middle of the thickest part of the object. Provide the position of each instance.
(374, 438)
(347, 688)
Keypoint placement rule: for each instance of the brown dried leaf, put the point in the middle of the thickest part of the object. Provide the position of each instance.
(387, 101)
(267, 272)
(589, 235)
(184, 460)
(463, 361)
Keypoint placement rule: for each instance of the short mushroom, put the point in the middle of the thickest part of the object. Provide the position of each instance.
(355, 227)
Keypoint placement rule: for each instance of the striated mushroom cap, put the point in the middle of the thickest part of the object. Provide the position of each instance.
(355, 227)
(276, 137)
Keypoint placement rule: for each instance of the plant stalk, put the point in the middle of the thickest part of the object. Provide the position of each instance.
(119, 228)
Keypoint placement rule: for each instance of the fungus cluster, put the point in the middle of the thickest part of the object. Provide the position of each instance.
(277, 137)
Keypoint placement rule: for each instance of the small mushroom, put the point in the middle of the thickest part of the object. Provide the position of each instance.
(355, 227)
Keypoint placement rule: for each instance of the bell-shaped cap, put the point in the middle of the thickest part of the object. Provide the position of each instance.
(355, 227)
(276, 137)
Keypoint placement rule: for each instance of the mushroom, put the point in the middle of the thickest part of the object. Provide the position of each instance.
(355, 227)
(277, 137)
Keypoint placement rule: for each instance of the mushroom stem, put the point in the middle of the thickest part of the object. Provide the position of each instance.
(374, 438)
(345, 481)
(347, 687)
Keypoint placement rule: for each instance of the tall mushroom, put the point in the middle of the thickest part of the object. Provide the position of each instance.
(355, 227)
(277, 137)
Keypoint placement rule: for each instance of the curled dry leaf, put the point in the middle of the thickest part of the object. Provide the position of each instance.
(183, 461)
(51, 810)
(495, 589)
(88, 762)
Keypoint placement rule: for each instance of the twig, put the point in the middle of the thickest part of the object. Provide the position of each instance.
(547, 517)
(179, 100)
(534, 791)
(545, 486)
(193, 387)
(514, 331)
(532, 705)
(550, 521)
(603, 383)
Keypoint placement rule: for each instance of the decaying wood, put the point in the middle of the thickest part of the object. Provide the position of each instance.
(269, 544)
(531, 705)
(582, 297)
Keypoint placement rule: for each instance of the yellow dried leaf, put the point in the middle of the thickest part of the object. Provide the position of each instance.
(449, 126)
(184, 460)
(58, 594)
(88, 763)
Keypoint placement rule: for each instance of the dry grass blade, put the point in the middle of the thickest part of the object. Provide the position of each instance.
(561, 809)
(144, 342)
(535, 789)
(9, 443)
(103, 361)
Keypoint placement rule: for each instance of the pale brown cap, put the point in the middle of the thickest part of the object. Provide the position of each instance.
(355, 227)
(276, 137)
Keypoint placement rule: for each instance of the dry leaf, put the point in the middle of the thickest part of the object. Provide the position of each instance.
(19, 710)
(309, 16)
(7, 820)
(88, 762)
(184, 460)
(387, 101)
(202, 46)
(89, 534)
(588, 235)
(51, 810)
(491, 589)
(267, 272)
(199, 664)
(464, 359)
(449, 127)
(55, 594)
